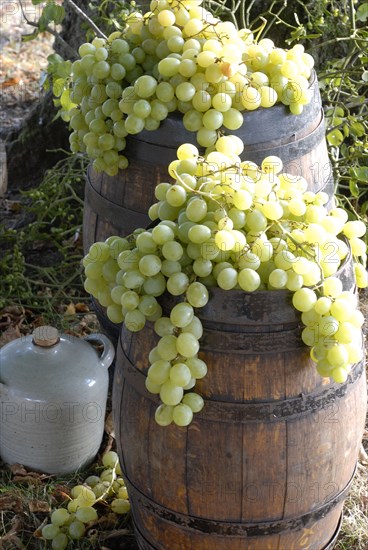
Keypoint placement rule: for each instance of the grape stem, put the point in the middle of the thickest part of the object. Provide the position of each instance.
(259, 29)
(299, 245)
(86, 18)
(108, 489)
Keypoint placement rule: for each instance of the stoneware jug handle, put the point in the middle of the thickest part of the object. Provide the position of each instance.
(108, 352)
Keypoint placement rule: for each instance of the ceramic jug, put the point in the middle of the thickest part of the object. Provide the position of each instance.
(53, 393)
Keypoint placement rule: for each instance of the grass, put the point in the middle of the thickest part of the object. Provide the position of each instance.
(354, 529)
(30, 497)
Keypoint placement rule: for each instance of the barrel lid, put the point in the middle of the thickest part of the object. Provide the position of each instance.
(45, 336)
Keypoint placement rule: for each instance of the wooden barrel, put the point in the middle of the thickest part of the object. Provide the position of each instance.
(118, 205)
(269, 460)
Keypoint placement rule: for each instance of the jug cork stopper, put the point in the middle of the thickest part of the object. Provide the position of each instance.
(45, 336)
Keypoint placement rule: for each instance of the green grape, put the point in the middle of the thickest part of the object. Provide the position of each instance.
(100, 489)
(155, 286)
(60, 542)
(278, 278)
(134, 124)
(181, 314)
(187, 344)
(108, 475)
(322, 305)
(194, 327)
(169, 268)
(73, 505)
(150, 265)
(92, 480)
(130, 300)
(197, 294)
(176, 195)
(145, 86)
(338, 355)
(120, 506)
(182, 415)
(180, 374)
(339, 374)
(59, 517)
(199, 233)
(164, 326)
(149, 306)
(171, 394)
(304, 299)
(166, 347)
(110, 459)
(164, 415)
(134, 320)
(248, 279)
(202, 267)
(194, 401)
(133, 279)
(342, 309)
(192, 120)
(82, 490)
(159, 372)
(76, 529)
(346, 333)
(227, 278)
(294, 282)
(162, 234)
(172, 250)
(123, 493)
(86, 514)
(332, 287)
(49, 531)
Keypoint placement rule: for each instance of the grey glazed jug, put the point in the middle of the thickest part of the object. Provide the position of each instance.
(53, 393)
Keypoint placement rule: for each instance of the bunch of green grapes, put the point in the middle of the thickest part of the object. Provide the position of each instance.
(177, 57)
(71, 523)
(229, 223)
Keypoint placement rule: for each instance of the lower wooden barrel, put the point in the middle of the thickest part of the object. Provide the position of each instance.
(269, 460)
(117, 205)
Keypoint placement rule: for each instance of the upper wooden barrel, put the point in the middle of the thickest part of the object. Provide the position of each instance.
(118, 205)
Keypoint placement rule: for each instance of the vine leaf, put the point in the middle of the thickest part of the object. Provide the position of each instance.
(362, 12)
(335, 138)
(361, 173)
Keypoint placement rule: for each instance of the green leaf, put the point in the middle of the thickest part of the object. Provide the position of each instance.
(58, 87)
(364, 207)
(36, 2)
(64, 69)
(46, 85)
(362, 12)
(357, 129)
(43, 21)
(354, 189)
(65, 101)
(48, 11)
(29, 37)
(54, 58)
(335, 138)
(58, 14)
(361, 173)
(336, 121)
